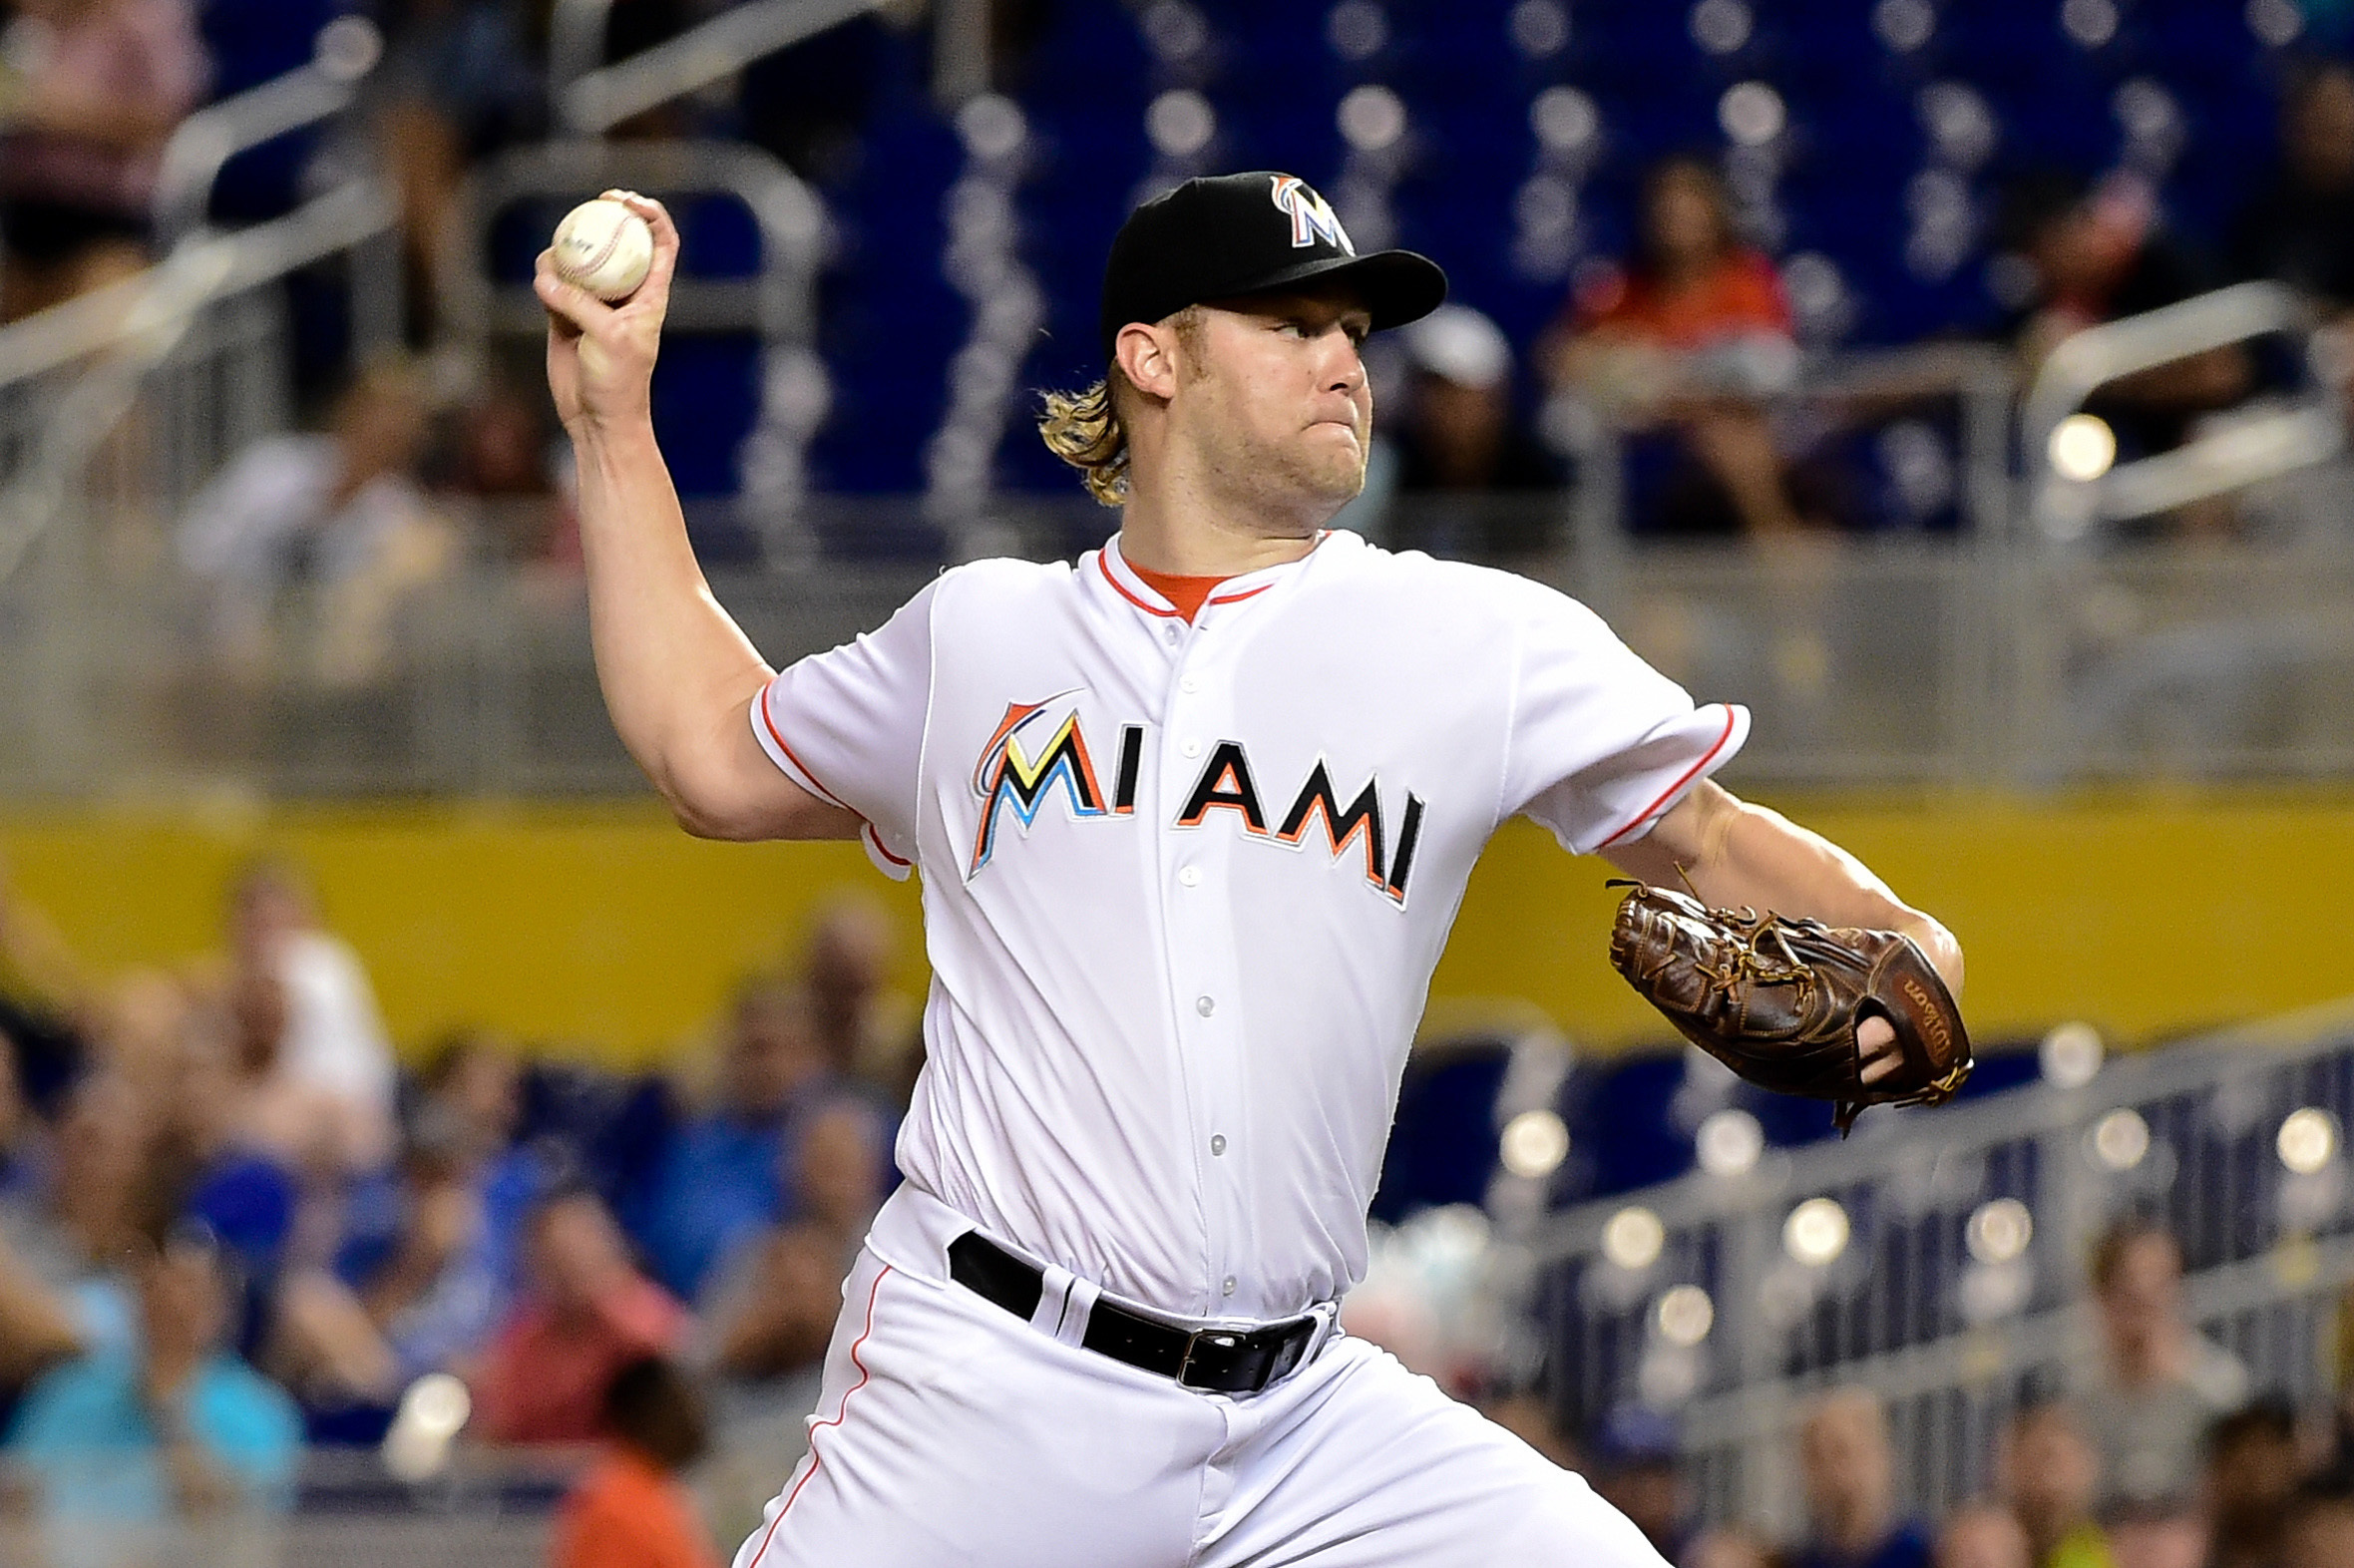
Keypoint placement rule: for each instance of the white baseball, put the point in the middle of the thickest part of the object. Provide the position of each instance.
(605, 248)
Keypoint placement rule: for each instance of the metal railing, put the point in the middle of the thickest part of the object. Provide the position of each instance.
(1906, 663)
(1937, 1258)
(69, 376)
(2263, 441)
(347, 49)
(776, 304)
(591, 98)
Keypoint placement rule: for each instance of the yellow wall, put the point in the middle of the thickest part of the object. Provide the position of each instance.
(602, 928)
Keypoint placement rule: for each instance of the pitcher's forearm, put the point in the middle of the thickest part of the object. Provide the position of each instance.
(672, 661)
(1733, 853)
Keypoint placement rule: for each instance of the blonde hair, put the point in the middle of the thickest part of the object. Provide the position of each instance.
(1084, 430)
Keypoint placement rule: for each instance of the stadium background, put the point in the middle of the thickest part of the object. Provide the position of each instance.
(2055, 631)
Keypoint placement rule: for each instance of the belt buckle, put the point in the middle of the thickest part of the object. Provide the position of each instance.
(1221, 1339)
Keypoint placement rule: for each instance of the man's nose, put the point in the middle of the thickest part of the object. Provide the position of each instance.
(1346, 370)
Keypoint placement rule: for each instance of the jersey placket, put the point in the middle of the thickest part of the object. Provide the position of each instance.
(1212, 1020)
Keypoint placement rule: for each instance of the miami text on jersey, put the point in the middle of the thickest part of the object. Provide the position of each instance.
(1009, 776)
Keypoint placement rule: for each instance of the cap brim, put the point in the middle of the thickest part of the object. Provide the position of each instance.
(1397, 286)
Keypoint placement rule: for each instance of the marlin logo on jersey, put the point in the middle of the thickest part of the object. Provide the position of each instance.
(1006, 775)
(1010, 777)
(1311, 214)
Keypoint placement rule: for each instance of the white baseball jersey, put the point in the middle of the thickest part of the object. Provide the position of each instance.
(1185, 883)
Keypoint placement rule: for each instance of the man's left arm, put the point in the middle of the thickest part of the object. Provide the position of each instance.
(1732, 853)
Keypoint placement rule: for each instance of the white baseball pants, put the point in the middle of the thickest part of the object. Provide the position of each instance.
(951, 1432)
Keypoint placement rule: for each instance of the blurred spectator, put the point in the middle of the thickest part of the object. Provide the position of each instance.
(716, 1184)
(1979, 1536)
(2318, 1531)
(586, 1313)
(773, 1309)
(843, 968)
(211, 1164)
(427, 1296)
(2050, 1476)
(1693, 334)
(459, 80)
(631, 1511)
(340, 513)
(2097, 253)
(141, 1450)
(139, 1021)
(2253, 1469)
(2300, 227)
(37, 1326)
(1455, 435)
(92, 91)
(500, 459)
(2148, 1396)
(1851, 1483)
(776, 1308)
(310, 1034)
(1638, 1471)
(472, 1099)
(70, 1230)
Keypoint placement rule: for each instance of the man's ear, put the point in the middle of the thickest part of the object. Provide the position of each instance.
(1146, 355)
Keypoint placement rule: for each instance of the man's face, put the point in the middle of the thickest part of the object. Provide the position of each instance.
(575, 1253)
(771, 1055)
(1272, 392)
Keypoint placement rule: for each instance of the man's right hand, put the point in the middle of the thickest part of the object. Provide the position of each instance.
(600, 357)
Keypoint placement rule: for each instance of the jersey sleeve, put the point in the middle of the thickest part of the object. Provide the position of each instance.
(1601, 745)
(846, 726)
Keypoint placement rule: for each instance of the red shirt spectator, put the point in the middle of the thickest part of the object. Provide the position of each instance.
(627, 1512)
(1738, 292)
(589, 1314)
(631, 1511)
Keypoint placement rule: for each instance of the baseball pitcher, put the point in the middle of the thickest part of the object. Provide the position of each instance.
(1193, 815)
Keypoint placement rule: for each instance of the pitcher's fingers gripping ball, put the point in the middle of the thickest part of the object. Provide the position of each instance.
(605, 248)
(600, 354)
(1781, 1001)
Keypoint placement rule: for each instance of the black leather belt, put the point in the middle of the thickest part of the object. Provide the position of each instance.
(1221, 1360)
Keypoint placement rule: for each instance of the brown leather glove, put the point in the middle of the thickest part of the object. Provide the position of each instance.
(1778, 1000)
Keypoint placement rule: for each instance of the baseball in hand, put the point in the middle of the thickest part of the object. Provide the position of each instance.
(604, 248)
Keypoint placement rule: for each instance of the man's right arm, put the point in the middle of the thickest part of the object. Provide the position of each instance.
(679, 676)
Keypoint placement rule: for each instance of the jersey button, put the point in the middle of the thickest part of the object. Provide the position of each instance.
(1190, 877)
(1229, 1286)
(1172, 633)
(1205, 1006)
(1189, 748)
(1189, 685)
(1218, 1143)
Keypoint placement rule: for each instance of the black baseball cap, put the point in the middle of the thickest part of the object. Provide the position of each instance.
(1225, 236)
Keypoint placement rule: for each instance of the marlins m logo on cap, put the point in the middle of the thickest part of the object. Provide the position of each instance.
(1311, 214)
